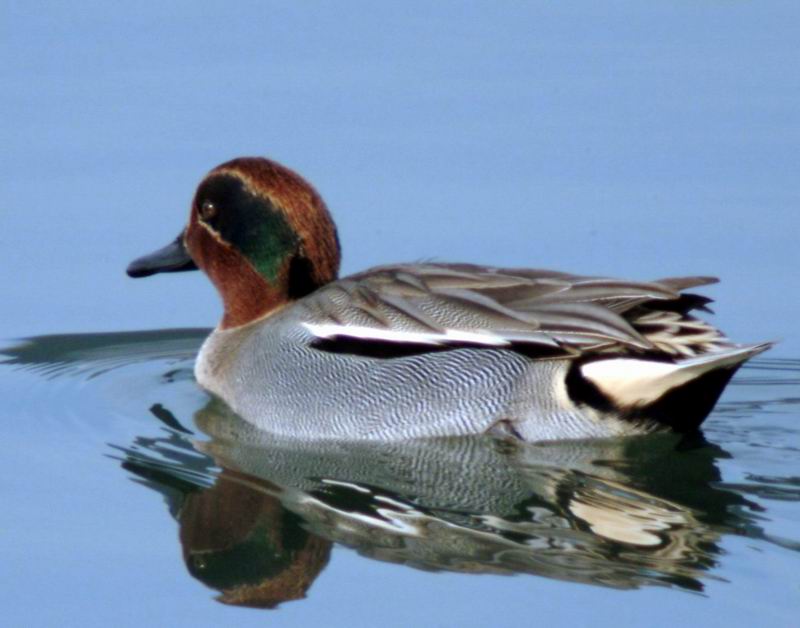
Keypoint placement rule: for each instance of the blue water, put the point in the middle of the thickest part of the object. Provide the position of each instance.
(621, 139)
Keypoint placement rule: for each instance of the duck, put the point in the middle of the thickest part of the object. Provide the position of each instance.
(427, 350)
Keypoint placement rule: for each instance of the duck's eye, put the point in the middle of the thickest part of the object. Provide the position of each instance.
(207, 210)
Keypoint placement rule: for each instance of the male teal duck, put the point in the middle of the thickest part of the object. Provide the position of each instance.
(425, 350)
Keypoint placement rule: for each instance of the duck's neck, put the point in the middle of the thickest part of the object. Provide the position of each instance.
(249, 298)
(250, 295)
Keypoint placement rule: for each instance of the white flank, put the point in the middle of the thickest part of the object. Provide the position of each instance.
(415, 337)
(631, 382)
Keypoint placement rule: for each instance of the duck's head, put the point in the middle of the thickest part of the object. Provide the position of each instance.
(260, 232)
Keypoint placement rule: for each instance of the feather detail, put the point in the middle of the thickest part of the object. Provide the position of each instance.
(458, 304)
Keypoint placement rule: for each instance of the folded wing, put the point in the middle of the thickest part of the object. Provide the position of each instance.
(448, 305)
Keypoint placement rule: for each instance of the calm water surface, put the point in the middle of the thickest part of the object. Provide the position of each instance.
(153, 493)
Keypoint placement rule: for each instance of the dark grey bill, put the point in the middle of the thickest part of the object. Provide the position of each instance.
(172, 258)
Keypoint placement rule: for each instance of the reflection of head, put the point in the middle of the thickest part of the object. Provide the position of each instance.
(239, 540)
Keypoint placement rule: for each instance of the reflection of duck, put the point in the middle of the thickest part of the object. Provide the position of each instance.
(577, 511)
(622, 514)
(430, 349)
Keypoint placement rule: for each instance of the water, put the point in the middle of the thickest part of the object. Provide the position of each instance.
(148, 494)
(629, 139)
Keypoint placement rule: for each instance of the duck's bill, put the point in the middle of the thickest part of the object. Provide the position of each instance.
(172, 258)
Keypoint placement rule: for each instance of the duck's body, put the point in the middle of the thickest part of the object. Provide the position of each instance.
(320, 395)
(429, 350)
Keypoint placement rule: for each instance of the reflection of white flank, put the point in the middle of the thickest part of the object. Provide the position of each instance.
(633, 382)
(447, 336)
(393, 502)
(349, 485)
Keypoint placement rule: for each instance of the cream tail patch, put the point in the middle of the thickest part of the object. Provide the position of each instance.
(632, 382)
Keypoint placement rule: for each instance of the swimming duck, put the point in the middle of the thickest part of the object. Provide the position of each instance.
(425, 350)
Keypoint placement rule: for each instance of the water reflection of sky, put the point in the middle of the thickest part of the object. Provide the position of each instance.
(625, 139)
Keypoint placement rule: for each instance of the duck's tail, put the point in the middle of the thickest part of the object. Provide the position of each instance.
(680, 393)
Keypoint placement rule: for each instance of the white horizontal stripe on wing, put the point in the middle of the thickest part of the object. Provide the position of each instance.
(387, 335)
